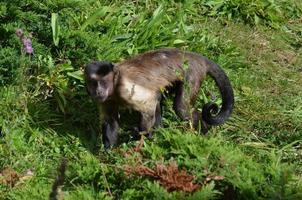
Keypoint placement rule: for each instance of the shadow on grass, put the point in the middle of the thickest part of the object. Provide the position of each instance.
(80, 119)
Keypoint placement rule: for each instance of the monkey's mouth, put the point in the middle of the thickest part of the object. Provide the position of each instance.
(101, 99)
(102, 96)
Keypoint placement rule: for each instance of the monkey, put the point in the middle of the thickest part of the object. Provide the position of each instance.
(139, 82)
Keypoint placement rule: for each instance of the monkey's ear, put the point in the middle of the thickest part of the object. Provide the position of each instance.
(116, 73)
(114, 67)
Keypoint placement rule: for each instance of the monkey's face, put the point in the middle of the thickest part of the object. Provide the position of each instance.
(100, 80)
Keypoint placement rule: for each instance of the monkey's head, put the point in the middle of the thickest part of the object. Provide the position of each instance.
(99, 76)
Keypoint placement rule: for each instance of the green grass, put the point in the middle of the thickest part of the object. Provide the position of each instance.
(45, 113)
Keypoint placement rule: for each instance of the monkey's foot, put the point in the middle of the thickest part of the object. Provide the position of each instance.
(149, 135)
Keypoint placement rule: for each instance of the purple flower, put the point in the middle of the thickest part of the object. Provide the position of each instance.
(26, 41)
(27, 45)
(29, 49)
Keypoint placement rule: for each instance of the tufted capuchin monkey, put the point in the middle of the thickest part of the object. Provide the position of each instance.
(139, 82)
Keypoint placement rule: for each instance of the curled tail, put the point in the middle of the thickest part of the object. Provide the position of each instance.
(211, 114)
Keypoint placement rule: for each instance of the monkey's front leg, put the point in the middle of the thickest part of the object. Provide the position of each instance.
(110, 126)
(147, 122)
(158, 114)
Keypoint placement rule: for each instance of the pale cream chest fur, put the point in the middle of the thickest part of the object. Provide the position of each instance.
(141, 98)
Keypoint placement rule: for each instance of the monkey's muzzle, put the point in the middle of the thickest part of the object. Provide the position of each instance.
(101, 96)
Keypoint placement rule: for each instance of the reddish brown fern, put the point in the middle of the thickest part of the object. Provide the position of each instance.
(168, 176)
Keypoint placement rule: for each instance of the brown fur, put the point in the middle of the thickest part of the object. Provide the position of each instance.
(148, 67)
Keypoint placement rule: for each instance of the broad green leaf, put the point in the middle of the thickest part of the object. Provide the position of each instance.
(55, 28)
(77, 75)
(178, 41)
(257, 19)
(97, 14)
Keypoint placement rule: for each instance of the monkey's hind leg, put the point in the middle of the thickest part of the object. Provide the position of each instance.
(183, 106)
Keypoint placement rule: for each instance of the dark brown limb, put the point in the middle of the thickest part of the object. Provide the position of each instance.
(110, 125)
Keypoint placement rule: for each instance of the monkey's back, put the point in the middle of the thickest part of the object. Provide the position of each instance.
(158, 69)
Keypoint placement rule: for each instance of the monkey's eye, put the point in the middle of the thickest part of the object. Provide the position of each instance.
(103, 83)
(93, 83)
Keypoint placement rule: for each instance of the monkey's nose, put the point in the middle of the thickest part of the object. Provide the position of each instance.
(101, 95)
